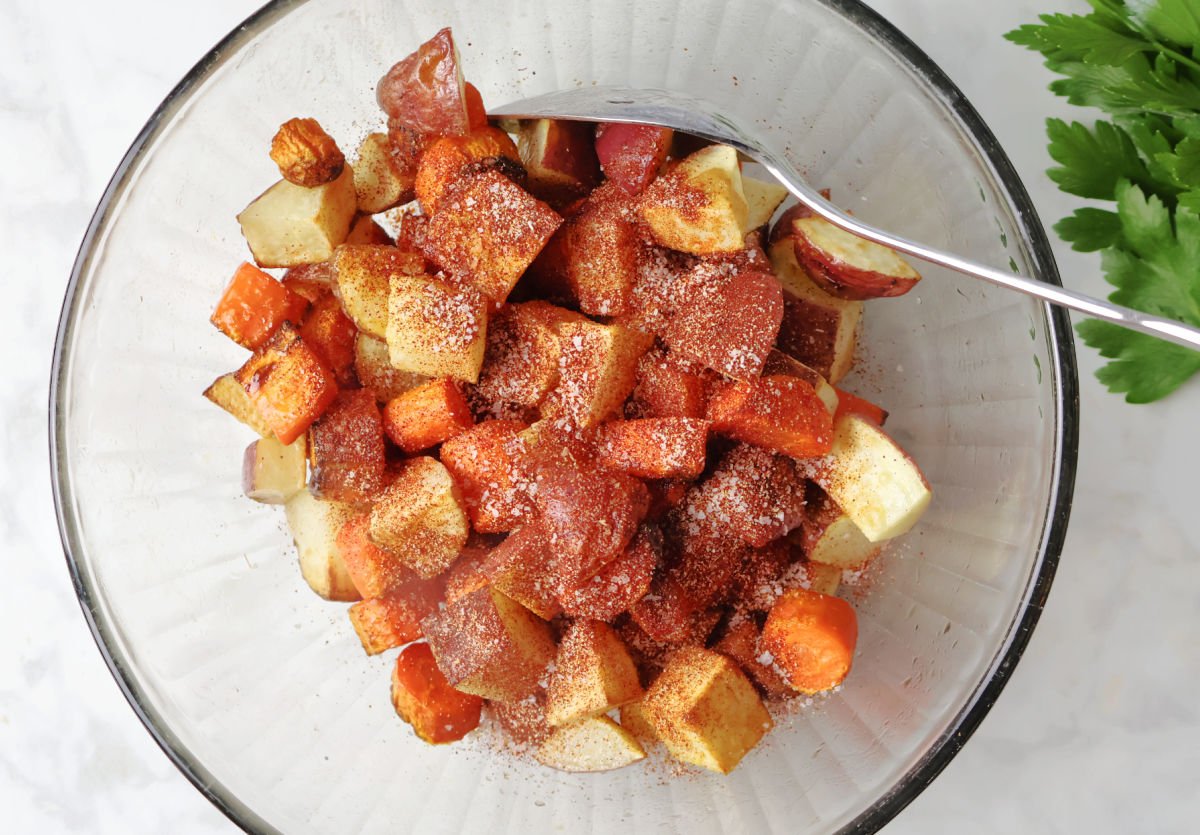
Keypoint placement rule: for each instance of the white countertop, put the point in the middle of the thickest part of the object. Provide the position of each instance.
(1099, 729)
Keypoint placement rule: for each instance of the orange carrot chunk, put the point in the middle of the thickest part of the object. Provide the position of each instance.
(427, 415)
(776, 412)
(373, 571)
(394, 619)
(288, 384)
(253, 307)
(811, 638)
(852, 404)
(424, 699)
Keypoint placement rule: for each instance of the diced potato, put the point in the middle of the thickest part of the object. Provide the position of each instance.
(593, 674)
(780, 363)
(520, 364)
(273, 472)
(443, 162)
(362, 278)
(741, 643)
(597, 371)
(630, 154)
(633, 719)
(559, 157)
(705, 710)
(521, 568)
(289, 224)
(436, 328)
(776, 412)
(830, 536)
(347, 450)
(487, 231)
(621, 583)
(762, 199)
(489, 645)
(818, 329)
(374, 369)
(699, 206)
(873, 480)
(655, 447)
(420, 517)
(595, 744)
(314, 525)
(381, 179)
(365, 230)
(228, 393)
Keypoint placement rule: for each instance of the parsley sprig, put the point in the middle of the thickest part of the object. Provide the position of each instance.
(1137, 62)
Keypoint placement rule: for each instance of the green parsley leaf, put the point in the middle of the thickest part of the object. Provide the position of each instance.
(1065, 38)
(1143, 368)
(1175, 20)
(1093, 161)
(1134, 60)
(1090, 230)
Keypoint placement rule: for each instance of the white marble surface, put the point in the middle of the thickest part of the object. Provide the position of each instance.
(1099, 730)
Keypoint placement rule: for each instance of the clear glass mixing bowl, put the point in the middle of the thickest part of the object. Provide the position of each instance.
(259, 691)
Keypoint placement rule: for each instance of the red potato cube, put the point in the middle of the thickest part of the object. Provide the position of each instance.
(287, 383)
(664, 390)
(662, 283)
(374, 370)
(444, 162)
(707, 559)
(382, 178)
(523, 721)
(425, 90)
(560, 158)
(520, 363)
(655, 447)
(631, 155)
(374, 571)
(830, 537)
(589, 514)
(592, 674)
(427, 415)
(759, 579)
(331, 336)
(698, 205)
(620, 584)
(669, 614)
(253, 307)
(841, 263)
(520, 567)
(394, 619)
(481, 459)
(489, 645)
(424, 698)
(732, 329)
(228, 393)
(597, 371)
(741, 643)
(818, 329)
(466, 575)
(600, 253)
(811, 638)
(780, 363)
(436, 328)
(272, 473)
(312, 281)
(420, 518)
(346, 449)
(487, 231)
(753, 494)
(363, 275)
(776, 412)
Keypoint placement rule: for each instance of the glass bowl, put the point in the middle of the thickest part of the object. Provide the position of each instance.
(259, 691)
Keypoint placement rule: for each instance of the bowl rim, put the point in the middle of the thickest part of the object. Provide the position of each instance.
(1064, 380)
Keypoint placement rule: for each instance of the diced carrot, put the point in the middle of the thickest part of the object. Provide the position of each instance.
(655, 447)
(663, 390)
(481, 461)
(775, 412)
(390, 621)
(330, 333)
(427, 415)
(288, 384)
(811, 637)
(374, 571)
(253, 307)
(852, 404)
(424, 699)
(476, 112)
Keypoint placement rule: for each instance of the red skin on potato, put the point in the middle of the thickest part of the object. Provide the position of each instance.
(425, 90)
(630, 155)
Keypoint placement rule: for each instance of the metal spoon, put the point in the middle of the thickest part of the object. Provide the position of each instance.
(694, 116)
